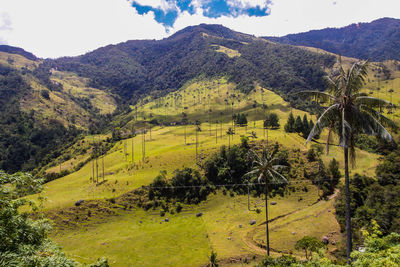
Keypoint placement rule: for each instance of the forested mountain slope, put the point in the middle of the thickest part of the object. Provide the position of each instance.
(378, 40)
(42, 112)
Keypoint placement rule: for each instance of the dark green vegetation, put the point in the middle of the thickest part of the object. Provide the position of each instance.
(271, 121)
(377, 40)
(299, 126)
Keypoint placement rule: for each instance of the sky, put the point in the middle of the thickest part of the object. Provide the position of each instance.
(55, 28)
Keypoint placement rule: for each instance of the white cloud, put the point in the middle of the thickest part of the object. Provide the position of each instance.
(159, 4)
(52, 28)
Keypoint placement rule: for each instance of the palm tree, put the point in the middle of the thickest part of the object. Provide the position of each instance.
(198, 129)
(229, 133)
(350, 112)
(266, 168)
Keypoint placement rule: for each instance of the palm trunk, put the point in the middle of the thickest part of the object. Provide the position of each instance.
(347, 190)
(266, 215)
(348, 215)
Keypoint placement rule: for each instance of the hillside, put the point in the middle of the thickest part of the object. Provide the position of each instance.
(43, 112)
(377, 40)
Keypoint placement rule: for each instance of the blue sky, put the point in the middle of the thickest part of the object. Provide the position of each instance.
(54, 28)
(168, 13)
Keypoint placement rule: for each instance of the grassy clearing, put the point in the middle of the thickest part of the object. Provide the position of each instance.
(77, 87)
(227, 51)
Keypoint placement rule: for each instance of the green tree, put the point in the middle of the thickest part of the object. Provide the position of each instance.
(308, 244)
(289, 126)
(229, 133)
(354, 113)
(306, 126)
(24, 242)
(266, 168)
(334, 172)
(271, 121)
(213, 259)
(298, 125)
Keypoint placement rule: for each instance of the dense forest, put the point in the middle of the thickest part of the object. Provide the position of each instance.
(377, 40)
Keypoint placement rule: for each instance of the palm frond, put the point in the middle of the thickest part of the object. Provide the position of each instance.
(372, 102)
(355, 77)
(330, 114)
(366, 123)
(316, 95)
(385, 121)
(277, 177)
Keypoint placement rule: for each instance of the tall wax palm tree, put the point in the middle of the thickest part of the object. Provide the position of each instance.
(350, 112)
(267, 169)
(229, 133)
(198, 129)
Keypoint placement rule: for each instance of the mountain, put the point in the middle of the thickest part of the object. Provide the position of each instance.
(45, 104)
(139, 67)
(378, 40)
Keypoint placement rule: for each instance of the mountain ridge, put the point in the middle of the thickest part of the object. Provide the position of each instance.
(377, 40)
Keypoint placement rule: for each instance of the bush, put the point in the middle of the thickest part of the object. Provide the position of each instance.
(45, 94)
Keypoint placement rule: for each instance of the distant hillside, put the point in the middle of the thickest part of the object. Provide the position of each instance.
(378, 40)
(138, 67)
(18, 51)
(42, 112)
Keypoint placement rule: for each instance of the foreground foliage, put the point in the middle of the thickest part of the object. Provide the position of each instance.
(376, 251)
(24, 241)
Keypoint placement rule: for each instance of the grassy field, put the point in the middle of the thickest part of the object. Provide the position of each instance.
(144, 238)
(138, 237)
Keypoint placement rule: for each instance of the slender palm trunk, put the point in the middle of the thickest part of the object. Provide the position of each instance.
(328, 138)
(348, 215)
(103, 166)
(197, 143)
(266, 215)
(347, 190)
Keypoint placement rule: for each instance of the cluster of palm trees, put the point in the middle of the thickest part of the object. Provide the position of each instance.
(350, 112)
